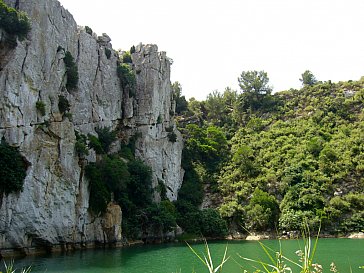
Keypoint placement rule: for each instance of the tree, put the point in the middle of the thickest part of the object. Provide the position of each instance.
(308, 78)
(255, 82)
(13, 168)
(255, 88)
(181, 102)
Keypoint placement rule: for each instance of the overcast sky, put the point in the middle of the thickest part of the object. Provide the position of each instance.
(213, 41)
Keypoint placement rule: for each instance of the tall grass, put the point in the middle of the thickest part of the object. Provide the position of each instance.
(278, 262)
(206, 259)
(9, 268)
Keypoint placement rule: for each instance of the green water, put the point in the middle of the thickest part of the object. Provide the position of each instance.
(171, 258)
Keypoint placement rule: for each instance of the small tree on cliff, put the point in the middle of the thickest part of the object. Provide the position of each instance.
(308, 78)
(254, 86)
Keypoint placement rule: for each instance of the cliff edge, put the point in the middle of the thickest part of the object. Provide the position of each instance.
(52, 208)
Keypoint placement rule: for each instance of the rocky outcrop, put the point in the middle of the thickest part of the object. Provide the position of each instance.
(358, 235)
(111, 223)
(53, 206)
(153, 117)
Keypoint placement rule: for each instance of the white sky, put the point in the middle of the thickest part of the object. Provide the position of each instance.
(213, 41)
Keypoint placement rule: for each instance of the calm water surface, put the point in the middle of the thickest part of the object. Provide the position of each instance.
(171, 258)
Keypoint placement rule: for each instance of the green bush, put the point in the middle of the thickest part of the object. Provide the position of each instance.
(99, 194)
(172, 137)
(140, 185)
(109, 175)
(107, 53)
(13, 169)
(127, 78)
(126, 152)
(63, 104)
(212, 225)
(94, 143)
(161, 217)
(188, 216)
(127, 58)
(159, 119)
(40, 105)
(88, 30)
(71, 71)
(262, 212)
(102, 142)
(81, 145)
(13, 22)
(106, 137)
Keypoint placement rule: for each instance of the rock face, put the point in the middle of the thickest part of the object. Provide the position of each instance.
(53, 206)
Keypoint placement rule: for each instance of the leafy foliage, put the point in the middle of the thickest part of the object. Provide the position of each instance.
(12, 169)
(40, 105)
(127, 78)
(254, 82)
(63, 104)
(106, 137)
(14, 22)
(308, 78)
(291, 157)
(71, 71)
(126, 58)
(172, 137)
(181, 102)
(81, 145)
(129, 181)
(107, 53)
(88, 30)
(302, 154)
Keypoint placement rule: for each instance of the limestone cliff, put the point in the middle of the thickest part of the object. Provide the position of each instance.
(53, 206)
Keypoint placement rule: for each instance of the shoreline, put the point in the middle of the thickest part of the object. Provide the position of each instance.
(72, 247)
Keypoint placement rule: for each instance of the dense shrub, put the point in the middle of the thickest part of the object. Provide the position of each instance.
(94, 143)
(109, 175)
(107, 53)
(40, 105)
(262, 212)
(63, 104)
(81, 145)
(126, 58)
(172, 137)
(106, 137)
(127, 78)
(71, 71)
(161, 217)
(140, 186)
(212, 225)
(100, 196)
(12, 169)
(13, 22)
(159, 119)
(88, 30)
(188, 217)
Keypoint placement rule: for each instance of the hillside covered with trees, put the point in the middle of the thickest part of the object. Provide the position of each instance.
(270, 161)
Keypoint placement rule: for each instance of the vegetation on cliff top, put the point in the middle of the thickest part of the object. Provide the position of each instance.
(127, 181)
(291, 155)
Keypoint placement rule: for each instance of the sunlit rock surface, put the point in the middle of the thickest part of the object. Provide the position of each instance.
(53, 206)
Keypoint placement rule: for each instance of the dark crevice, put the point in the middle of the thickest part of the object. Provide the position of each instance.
(78, 48)
(52, 22)
(26, 55)
(98, 66)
